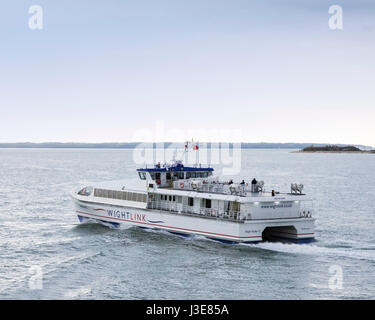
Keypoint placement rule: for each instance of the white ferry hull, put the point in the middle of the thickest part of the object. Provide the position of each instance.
(297, 229)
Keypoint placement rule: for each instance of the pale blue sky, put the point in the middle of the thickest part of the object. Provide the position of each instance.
(103, 70)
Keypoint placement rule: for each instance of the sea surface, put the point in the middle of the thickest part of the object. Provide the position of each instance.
(46, 254)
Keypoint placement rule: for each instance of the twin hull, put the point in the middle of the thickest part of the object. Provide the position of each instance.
(224, 230)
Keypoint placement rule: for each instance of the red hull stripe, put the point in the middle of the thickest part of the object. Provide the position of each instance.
(162, 226)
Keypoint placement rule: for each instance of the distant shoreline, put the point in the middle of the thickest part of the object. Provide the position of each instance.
(132, 145)
(334, 149)
(363, 151)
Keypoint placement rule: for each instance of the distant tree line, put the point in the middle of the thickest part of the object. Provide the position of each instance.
(335, 148)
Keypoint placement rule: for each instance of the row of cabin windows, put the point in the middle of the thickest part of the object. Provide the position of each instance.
(203, 174)
(165, 197)
(176, 175)
(121, 195)
(207, 202)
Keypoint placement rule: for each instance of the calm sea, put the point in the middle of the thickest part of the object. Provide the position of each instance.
(46, 254)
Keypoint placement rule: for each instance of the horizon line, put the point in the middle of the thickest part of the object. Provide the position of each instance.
(114, 144)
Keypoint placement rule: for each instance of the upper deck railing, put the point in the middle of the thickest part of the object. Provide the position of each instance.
(216, 186)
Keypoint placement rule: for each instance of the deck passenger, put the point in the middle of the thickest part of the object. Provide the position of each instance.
(253, 185)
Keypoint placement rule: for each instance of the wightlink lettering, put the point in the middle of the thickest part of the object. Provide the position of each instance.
(126, 215)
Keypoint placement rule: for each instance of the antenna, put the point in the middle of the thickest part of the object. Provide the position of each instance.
(195, 147)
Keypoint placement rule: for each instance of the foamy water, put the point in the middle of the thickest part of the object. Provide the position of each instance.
(310, 249)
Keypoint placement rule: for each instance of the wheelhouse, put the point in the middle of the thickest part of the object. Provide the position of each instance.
(165, 175)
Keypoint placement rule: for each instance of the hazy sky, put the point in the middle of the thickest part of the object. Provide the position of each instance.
(113, 70)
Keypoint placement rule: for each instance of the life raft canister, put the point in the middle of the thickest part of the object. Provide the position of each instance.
(182, 185)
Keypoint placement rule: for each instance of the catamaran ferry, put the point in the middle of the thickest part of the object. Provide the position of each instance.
(192, 201)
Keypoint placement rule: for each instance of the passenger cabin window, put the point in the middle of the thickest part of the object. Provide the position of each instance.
(208, 203)
(178, 175)
(191, 202)
(86, 191)
(121, 195)
(142, 175)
